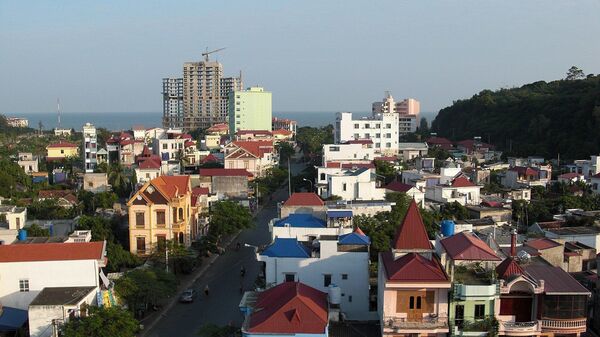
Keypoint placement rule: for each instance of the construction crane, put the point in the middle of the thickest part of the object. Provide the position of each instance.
(205, 54)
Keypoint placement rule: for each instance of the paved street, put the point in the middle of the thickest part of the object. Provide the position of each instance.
(223, 279)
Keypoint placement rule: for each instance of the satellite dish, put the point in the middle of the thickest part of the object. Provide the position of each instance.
(524, 256)
(150, 189)
(139, 197)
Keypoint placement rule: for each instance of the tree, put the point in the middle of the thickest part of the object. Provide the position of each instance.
(119, 258)
(574, 73)
(455, 211)
(118, 180)
(102, 322)
(145, 287)
(227, 217)
(386, 170)
(36, 231)
(101, 228)
(286, 151)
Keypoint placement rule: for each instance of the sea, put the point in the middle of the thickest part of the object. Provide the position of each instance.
(117, 121)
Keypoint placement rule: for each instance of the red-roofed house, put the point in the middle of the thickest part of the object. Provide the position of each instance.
(255, 156)
(412, 285)
(61, 150)
(570, 178)
(439, 142)
(27, 268)
(412, 192)
(520, 176)
(161, 210)
(288, 309)
(469, 146)
(460, 189)
(148, 168)
(303, 203)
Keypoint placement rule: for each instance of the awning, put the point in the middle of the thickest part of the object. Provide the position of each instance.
(11, 319)
(104, 279)
(339, 214)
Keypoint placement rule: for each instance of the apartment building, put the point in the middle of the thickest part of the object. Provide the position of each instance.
(160, 210)
(205, 94)
(382, 129)
(90, 147)
(349, 184)
(407, 111)
(250, 109)
(172, 102)
(352, 152)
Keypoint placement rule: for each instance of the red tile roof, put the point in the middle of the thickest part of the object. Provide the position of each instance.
(209, 159)
(68, 195)
(570, 175)
(438, 141)
(282, 132)
(466, 246)
(253, 132)
(150, 163)
(198, 191)
(61, 144)
(508, 267)
(172, 186)
(556, 280)
(290, 308)
(462, 182)
(387, 158)
(218, 127)
(222, 172)
(52, 251)
(304, 199)
(349, 165)
(528, 171)
(397, 186)
(146, 152)
(471, 145)
(541, 244)
(413, 267)
(256, 147)
(411, 234)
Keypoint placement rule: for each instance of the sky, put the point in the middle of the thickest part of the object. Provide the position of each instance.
(110, 56)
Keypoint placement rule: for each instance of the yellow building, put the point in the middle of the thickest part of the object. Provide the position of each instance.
(161, 210)
(61, 150)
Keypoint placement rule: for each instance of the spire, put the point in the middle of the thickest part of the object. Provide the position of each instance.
(412, 234)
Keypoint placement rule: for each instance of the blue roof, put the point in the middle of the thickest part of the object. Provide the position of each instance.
(339, 214)
(301, 220)
(354, 239)
(286, 248)
(12, 319)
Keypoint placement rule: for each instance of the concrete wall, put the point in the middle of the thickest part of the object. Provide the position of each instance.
(347, 152)
(41, 316)
(230, 186)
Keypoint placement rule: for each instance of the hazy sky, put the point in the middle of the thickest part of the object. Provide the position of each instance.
(313, 55)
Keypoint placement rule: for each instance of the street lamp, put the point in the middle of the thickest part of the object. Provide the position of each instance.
(311, 183)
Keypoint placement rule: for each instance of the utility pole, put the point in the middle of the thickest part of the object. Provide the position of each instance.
(289, 179)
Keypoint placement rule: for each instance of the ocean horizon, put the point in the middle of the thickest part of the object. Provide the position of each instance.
(118, 121)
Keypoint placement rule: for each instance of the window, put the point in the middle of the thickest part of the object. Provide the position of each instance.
(388, 126)
(326, 280)
(378, 126)
(322, 176)
(343, 186)
(161, 241)
(367, 126)
(180, 214)
(90, 184)
(147, 175)
(411, 302)
(165, 146)
(367, 136)
(24, 285)
(344, 276)
(356, 136)
(377, 144)
(378, 135)
(460, 315)
(388, 145)
(388, 135)
(161, 218)
(140, 244)
(289, 277)
(479, 311)
(350, 298)
(139, 219)
(356, 126)
(62, 151)
(418, 302)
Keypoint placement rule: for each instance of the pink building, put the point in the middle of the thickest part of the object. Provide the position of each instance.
(412, 285)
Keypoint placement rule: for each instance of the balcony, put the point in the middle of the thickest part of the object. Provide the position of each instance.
(464, 291)
(520, 328)
(564, 325)
(427, 323)
(475, 327)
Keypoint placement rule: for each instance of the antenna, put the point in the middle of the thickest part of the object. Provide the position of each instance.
(206, 53)
(58, 111)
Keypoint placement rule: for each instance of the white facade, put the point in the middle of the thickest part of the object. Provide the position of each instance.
(407, 112)
(28, 162)
(382, 129)
(305, 233)
(447, 194)
(410, 151)
(168, 148)
(15, 216)
(145, 175)
(172, 102)
(349, 184)
(348, 270)
(90, 147)
(347, 153)
(586, 167)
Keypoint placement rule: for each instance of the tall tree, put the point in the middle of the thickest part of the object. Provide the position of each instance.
(574, 73)
(102, 322)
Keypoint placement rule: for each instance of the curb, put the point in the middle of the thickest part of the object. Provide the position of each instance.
(147, 327)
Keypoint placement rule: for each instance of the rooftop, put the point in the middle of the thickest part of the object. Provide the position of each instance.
(52, 252)
(411, 234)
(579, 230)
(413, 267)
(304, 199)
(62, 295)
(466, 246)
(300, 220)
(287, 247)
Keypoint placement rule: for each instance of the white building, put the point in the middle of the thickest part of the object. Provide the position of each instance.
(349, 184)
(90, 147)
(410, 151)
(169, 146)
(172, 102)
(382, 129)
(15, 216)
(411, 191)
(62, 132)
(96, 182)
(348, 153)
(586, 167)
(460, 190)
(28, 162)
(26, 269)
(340, 260)
(407, 111)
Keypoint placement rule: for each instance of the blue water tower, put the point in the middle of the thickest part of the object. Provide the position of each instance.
(447, 228)
(22, 235)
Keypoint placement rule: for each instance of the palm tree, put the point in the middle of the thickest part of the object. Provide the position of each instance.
(117, 178)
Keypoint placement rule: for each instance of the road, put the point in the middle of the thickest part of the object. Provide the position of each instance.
(223, 279)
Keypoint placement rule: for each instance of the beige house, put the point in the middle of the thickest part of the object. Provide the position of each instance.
(161, 210)
(96, 182)
(254, 156)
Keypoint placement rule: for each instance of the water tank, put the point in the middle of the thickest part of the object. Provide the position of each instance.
(447, 228)
(22, 235)
(335, 294)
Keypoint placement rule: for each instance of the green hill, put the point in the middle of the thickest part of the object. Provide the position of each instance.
(541, 118)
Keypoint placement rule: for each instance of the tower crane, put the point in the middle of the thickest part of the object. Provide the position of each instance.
(205, 54)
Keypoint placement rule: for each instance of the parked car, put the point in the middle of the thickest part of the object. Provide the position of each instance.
(187, 296)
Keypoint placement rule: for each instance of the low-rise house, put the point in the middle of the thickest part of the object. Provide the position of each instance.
(517, 194)
(254, 156)
(14, 217)
(471, 146)
(470, 264)
(211, 142)
(26, 269)
(410, 151)
(460, 190)
(64, 198)
(570, 178)
(521, 176)
(282, 135)
(412, 285)
(102, 156)
(290, 309)
(253, 135)
(61, 150)
(350, 184)
(28, 162)
(227, 183)
(411, 191)
(347, 153)
(148, 169)
(500, 215)
(587, 235)
(285, 124)
(440, 142)
(160, 210)
(578, 257)
(425, 164)
(324, 260)
(96, 182)
(595, 183)
(303, 203)
(586, 167)
(306, 227)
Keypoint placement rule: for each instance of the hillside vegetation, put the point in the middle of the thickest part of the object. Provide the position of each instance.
(541, 118)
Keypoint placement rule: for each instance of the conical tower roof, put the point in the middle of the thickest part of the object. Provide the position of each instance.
(412, 234)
